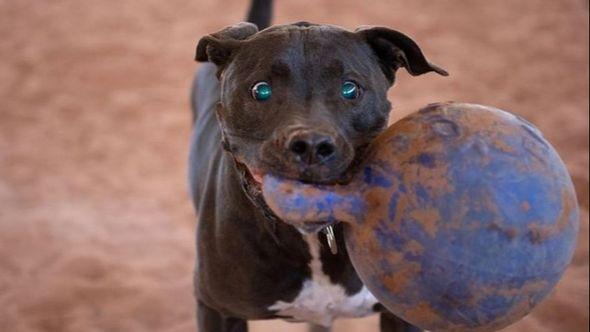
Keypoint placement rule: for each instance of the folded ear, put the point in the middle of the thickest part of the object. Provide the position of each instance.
(395, 50)
(218, 47)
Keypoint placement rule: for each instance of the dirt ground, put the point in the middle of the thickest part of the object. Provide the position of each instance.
(96, 228)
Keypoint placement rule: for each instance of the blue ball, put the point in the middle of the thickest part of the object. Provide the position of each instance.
(478, 224)
(462, 218)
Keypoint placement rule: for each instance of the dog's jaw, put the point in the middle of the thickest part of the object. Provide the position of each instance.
(251, 179)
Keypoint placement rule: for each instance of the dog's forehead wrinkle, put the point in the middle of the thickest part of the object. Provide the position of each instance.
(301, 52)
(280, 68)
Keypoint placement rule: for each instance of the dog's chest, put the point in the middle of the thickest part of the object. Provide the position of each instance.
(320, 301)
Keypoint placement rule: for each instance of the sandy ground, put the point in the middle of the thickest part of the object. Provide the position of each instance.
(96, 229)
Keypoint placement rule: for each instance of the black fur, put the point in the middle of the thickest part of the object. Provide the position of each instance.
(247, 259)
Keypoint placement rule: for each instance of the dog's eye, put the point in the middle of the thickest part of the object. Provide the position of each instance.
(261, 91)
(350, 90)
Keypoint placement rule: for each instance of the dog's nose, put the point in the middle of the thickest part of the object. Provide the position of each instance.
(311, 148)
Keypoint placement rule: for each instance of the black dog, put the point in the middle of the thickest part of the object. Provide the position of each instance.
(301, 101)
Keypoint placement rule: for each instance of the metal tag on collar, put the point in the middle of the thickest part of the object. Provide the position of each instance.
(329, 231)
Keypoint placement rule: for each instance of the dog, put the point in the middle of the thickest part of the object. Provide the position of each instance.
(301, 101)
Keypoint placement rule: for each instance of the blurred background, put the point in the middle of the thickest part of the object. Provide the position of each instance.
(96, 227)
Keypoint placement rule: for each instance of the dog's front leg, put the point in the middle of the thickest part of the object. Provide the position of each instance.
(210, 320)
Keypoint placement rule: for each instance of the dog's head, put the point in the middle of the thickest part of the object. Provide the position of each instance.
(303, 100)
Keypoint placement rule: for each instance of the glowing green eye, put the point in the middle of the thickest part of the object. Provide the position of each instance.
(350, 90)
(261, 91)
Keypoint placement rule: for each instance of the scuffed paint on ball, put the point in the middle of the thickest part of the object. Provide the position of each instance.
(463, 217)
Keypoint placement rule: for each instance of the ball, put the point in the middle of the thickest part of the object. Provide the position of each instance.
(470, 218)
(461, 218)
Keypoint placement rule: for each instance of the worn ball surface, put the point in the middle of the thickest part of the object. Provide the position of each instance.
(463, 217)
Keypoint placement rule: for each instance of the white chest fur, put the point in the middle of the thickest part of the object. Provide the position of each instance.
(320, 301)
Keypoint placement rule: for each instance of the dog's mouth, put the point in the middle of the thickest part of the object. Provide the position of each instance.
(252, 178)
(251, 181)
(252, 185)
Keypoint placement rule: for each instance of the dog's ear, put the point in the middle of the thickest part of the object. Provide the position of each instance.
(395, 50)
(218, 47)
